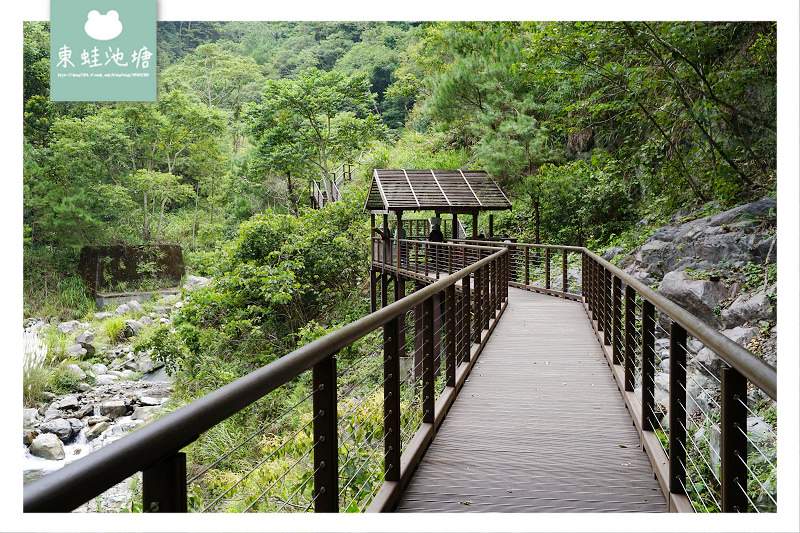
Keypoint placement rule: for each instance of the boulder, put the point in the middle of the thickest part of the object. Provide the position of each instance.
(123, 309)
(145, 321)
(29, 435)
(113, 408)
(29, 417)
(52, 414)
(99, 369)
(699, 297)
(69, 403)
(87, 337)
(59, 427)
(748, 309)
(76, 371)
(132, 328)
(47, 446)
(741, 335)
(195, 282)
(77, 350)
(149, 401)
(143, 413)
(95, 430)
(103, 315)
(134, 305)
(106, 379)
(70, 326)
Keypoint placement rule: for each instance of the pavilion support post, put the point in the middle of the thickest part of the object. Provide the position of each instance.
(491, 224)
(373, 290)
(455, 226)
(474, 224)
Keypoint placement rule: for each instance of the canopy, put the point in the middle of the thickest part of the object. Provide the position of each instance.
(443, 191)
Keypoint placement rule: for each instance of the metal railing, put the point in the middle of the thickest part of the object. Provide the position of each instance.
(339, 459)
(693, 418)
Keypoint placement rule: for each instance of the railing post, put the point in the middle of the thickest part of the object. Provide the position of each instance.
(486, 305)
(564, 286)
(590, 288)
(630, 341)
(648, 365)
(391, 399)
(616, 327)
(677, 409)
(466, 321)
(527, 266)
(547, 268)
(477, 306)
(164, 485)
(734, 441)
(428, 392)
(450, 347)
(326, 440)
(604, 298)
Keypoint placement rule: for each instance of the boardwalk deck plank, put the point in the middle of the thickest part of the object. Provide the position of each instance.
(539, 426)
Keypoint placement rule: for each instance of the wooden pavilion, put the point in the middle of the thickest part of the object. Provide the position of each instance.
(442, 191)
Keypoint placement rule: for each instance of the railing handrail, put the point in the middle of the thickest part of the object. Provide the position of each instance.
(756, 370)
(76, 483)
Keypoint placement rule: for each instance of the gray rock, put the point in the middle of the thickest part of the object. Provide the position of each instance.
(149, 401)
(83, 387)
(29, 435)
(87, 337)
(69, 403)
(123, 309)
(96, 430)
(195, 282)
(134, 305)
(52, 414)
(99, 369)
(128, 374)
(707, 361)
(75, 370)
(748, 309)
(132, 328)
(145, 321)
(103, 315)
(85, 410)
(76, 424)
(699, 297)
(60, 427)
(68, 327)
(106, 379)
(758, 430)
(741, 335)
(29, 417)
(47, 446)
(143, 413)
(113, 408)
(77, 350)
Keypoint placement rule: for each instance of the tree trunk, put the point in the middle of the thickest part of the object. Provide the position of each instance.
(292, 198)
(161, 217)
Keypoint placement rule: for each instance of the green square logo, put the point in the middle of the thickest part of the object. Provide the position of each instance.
(103, 50)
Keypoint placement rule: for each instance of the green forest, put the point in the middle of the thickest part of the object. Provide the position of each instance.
(598, 132)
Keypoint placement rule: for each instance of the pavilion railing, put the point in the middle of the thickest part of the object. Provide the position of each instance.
(697, 397)
(366, 401)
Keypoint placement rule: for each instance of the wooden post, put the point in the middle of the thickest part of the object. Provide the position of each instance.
(164, 485)
(474, 224)
(491, 224)
(616, 328)
(450, 343)
(326, 440)
(466, 321)
(564, 286)
(733, 453)
(391, 399)
(648, 366)
(428, 391)
(630, 331)
(677, 409)
(455, 226)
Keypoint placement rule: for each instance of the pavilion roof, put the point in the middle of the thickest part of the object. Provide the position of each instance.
(445, 191)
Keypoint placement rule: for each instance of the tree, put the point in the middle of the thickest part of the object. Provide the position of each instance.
(154, 190)
(318, 121)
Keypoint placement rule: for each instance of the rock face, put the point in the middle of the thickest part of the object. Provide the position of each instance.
(732, 236)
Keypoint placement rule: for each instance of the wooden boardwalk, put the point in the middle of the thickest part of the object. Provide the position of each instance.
(539, 426)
